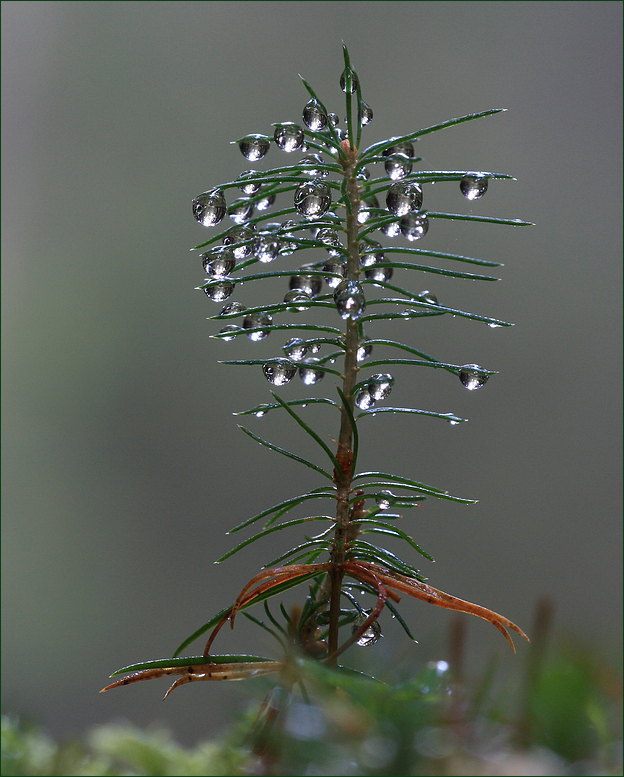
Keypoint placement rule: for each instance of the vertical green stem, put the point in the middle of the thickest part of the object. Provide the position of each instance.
(345, 440)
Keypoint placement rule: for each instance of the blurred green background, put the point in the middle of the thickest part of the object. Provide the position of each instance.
(122, 466)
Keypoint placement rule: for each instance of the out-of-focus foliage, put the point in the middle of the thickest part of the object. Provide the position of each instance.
(562, 718)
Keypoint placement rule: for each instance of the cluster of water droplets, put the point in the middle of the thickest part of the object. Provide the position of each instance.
(376, 388)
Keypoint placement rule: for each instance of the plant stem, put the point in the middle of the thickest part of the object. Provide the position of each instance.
(345, 440)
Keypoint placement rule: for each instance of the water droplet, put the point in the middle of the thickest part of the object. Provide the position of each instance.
(265, 202)
(229, 328)
(380, 385)
(370, 253)
(295, 348)
(308, 374)
(473, 186)
(377, 273)
(333, 117)
(312, 166)
(209, 208)
(297, 295)
(314, 117)
(266, 247)
(220, 291)
(334, 266)
(350, 300)
(251, 187)
(288, 136)
(364, 213)
(404, 147)
(232, 307)
(364, 352)
(314, 347)
(279, 372)
(392, 229)
(367, 113)
(343, 82)
(219, 262)
(241, 211)
(439, 667)
(237, 235)
(385, 499)
(453, 423)
(473, 377)
(494, 326)
(255, 320)
(363, 399)
(404, 197)
(312, 199)
(328, 236)
(414, 225)
(398, 166)
(310, 284)
(428, 296)
(262, 410)
(372, 633)
(364, 174)
(254, 147)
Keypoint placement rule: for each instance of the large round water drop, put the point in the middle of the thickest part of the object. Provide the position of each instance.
(237, 235)
(314, 116)
(230, 330)
(473, 186)
(309, 374)
(251, 187)
(220, 291)
(209, 208)
(289, 136)
(363, 399)
(279, 372)
(255, 320)
(380, 385)
(232, 307)
(343, 82)
(219, 262)
(299, 296)
(398, 166)
(404, 147)
(254, 147)
(266, 248)
(350, 300)
(367, 113)
(310, 284)
(414, 225)
(241, 211)
(295, 348)
(312, 199)
(473, 376)
(404, 197)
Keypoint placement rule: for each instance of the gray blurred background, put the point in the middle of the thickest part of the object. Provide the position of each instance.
(123, 466)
